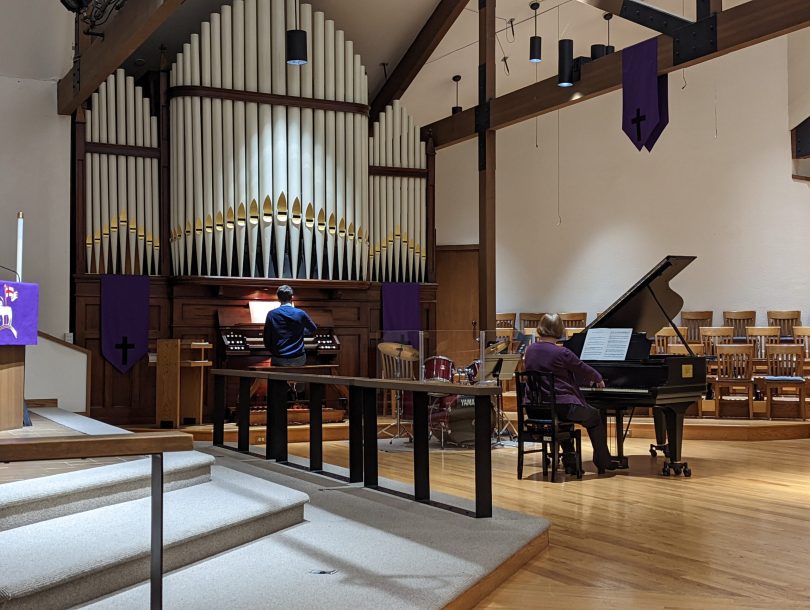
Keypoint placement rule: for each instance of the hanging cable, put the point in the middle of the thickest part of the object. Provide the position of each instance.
(559, 213)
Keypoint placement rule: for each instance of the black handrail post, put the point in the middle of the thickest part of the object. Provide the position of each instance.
(156, 567)
(219, 410)
(316, 392)
(421, 456)
(277, 413)
(243, 415)
(355, 434)
(483, 457)
(370, 467)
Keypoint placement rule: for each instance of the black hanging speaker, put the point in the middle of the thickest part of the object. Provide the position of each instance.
(565, 73)
(296, 47)
(535, 49)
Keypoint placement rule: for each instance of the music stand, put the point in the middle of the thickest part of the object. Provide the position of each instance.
(498, 367)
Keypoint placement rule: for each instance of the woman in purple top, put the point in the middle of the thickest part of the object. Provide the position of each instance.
(569, 374)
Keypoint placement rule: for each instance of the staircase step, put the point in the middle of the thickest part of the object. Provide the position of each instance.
(77, 558)
(34, 500)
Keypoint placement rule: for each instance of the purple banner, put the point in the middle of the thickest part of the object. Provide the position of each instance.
(124, 319)
(19, 313)
(641, 110)
(663, 111)
(401, 313)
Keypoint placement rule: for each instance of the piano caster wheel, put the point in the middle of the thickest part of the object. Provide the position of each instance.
(653, 452)
(687, 472)
(677, 470)
(665, 470)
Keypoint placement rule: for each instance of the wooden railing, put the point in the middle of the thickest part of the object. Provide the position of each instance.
(363, 466)
(112, 445)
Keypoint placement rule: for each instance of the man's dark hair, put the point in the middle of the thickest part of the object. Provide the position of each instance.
(284, 294)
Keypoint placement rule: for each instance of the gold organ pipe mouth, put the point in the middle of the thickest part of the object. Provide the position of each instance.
(209, 224)
(220, 224)
(309, 219)
(322, 221)
(141, 233)
(296, 212)
(332, 224)
(198, 227)
(88, 241)
(188, 229)
(397, 233)
(240, 215)
(149, 239)
(281, 208)
(254, 212)
(114, 223)
(122, 217)
(351, 231)
(342, 229)
(105, 231)
(229, 222)
(267, 210)
(360, 234)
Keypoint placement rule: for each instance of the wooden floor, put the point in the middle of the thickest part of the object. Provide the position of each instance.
(735, 535)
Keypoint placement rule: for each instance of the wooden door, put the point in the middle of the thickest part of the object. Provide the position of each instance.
(457, 303)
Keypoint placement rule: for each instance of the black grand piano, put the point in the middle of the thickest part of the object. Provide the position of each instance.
(667, 383)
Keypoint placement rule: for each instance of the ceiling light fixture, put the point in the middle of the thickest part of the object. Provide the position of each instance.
(535, 42)
(297, 42)
(608, 47)
(565, 74)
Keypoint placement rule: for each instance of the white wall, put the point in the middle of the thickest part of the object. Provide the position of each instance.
(729, 199)
(35, 50)
(799, 76)
(55, 371)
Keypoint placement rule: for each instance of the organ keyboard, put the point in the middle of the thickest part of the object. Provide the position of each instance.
(668, 384)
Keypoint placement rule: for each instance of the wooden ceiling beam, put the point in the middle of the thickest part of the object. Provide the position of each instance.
(737, 28)
(128, 29)
(429, 37)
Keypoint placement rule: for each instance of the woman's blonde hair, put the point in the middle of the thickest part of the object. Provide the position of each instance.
(551, 325)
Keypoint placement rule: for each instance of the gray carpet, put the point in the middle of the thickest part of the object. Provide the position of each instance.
(356, 548)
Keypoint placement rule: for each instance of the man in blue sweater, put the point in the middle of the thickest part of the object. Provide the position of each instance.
(284, 331)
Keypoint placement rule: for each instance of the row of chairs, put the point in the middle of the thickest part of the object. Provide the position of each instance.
(710, 337)
(693, 321)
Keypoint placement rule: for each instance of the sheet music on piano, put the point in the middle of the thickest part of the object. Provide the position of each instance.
(606, 344)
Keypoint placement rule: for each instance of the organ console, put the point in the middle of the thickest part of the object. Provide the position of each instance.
(669, 384)
(241, 346)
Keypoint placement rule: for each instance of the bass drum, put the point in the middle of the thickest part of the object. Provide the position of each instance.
(452, 420)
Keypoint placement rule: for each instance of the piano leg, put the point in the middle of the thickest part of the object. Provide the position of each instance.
(618, 415)
(674, 415)
(660, 422)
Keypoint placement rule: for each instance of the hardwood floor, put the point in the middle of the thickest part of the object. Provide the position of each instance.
(733, 536)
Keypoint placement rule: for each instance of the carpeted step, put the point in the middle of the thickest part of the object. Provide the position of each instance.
(34, 500)
(76, 558)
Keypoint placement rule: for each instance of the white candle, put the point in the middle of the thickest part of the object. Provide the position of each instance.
(20, 245)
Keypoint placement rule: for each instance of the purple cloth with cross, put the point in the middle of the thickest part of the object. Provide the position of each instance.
(124, 319)
(19, 312)
(645, 98)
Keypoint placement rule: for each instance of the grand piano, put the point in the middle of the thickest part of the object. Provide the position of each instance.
(669, 384)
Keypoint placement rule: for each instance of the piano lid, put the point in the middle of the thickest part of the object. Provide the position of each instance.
(637, 308)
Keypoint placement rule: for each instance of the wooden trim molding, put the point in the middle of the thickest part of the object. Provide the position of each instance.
(266, 98)
(122, 149)
(397, 172)
(76, 348)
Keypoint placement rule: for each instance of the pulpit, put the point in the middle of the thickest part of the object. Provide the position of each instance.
(18, 328)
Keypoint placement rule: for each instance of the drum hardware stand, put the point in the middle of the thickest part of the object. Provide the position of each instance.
(399, 429)
(503, 366)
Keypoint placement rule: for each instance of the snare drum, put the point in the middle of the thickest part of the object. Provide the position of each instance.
(439, 368)
(472, 371)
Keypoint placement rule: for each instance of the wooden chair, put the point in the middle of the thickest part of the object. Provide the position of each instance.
(570, 332)
(785, 320)
(739, 320)
(679, 349)
(693, 321)
(538, 423)
(785, 374)
(505, 320)
(666, 338)
(399, 361)
(530, 320)
(574, 320)
(712, 336)
(760, 337)
(734, 372)
(801, 334)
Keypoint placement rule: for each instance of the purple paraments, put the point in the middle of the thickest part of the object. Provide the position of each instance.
(124, 319)
(19, 312)
(645, 102)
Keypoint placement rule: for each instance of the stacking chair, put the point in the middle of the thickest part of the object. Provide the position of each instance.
(693, 321)
(785, 381)
(574, 320)
(538, 423)
(399, 361)
(739, 321)
(666, 338)
(801, 335)
(570, 332)
(679, 349)
(530, 320)
(734, 370)
(505, 320)
(785, 320)
(712, 336)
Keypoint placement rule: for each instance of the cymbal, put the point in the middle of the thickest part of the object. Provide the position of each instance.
(399, 350)
(497, 348)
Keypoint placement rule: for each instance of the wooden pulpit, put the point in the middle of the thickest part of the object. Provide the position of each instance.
(181, 369)
(12, 384)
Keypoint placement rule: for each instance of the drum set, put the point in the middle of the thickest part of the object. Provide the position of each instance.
(452, 416)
